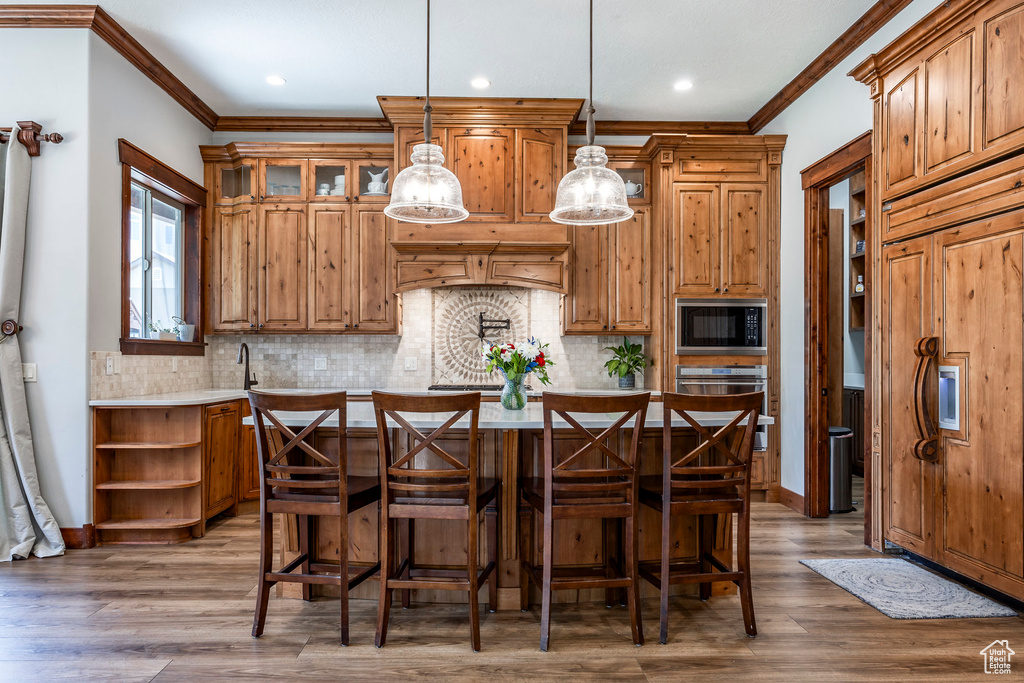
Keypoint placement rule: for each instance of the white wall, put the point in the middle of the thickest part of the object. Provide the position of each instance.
(81, 88)
(833, 112)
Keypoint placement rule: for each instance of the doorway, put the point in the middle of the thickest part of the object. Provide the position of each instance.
(837, 220)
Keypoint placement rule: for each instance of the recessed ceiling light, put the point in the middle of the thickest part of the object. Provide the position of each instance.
(275, 80)
(683, 85)
(480, 83)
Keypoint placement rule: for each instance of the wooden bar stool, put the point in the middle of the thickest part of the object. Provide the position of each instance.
(298, 479)
(710, 480)
(593, 482)
(429, 482)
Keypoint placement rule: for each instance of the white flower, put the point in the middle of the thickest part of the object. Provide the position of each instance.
(506, 353)
(530, 351)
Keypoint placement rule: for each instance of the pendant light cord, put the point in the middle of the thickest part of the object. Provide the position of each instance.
(590, 109)
(428, 127)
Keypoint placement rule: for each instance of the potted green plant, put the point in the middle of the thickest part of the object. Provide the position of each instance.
(627, 360)
(158, 331)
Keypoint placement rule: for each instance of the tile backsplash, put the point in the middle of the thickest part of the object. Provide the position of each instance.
(439, 344)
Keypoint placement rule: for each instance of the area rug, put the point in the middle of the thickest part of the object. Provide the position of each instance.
(902, 590)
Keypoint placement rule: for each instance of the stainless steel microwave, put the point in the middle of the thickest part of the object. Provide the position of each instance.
(727, 327)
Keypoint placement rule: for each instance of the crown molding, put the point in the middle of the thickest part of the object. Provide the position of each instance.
(656, 127)
(488, 111)
(303, 124)
(875, 18)
(103, 25)
(236, 151)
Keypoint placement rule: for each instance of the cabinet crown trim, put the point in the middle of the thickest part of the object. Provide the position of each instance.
(477, 111)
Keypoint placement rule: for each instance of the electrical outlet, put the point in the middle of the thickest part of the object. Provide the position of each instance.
(410, 364)
(28, 372)
(110, 365)
(174, 363)
(117, 364)
(320, 363)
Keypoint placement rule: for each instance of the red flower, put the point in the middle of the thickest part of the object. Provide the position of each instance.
(540, 360)
(512, 346)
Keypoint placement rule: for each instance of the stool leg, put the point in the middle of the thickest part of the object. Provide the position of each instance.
(743, 561)
(343, 571)
(610, 597)
(632, 570)
(263, 589)
(472, 555)
(304, 523)
(387, 554)
(491, 521)
(548, 560)
(525, 555)
(666, 551)
(410, 542)
(706, 535)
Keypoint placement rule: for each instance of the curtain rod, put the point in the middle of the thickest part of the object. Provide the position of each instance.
(31, 135)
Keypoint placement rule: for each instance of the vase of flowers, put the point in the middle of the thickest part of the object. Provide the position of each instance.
(516, 362)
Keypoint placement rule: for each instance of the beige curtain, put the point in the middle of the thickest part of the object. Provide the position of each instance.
(26, 524)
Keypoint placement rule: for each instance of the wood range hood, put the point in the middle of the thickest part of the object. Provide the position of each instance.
(509, 154)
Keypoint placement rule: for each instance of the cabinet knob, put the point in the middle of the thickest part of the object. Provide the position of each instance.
(261, 198)
(347, 198)
(261, 326)
(613, 327)
(356, 325)
(604, 327)
(356, 197)
(251, 325)
(727, 289)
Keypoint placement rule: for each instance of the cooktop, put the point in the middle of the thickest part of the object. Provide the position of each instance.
(471, 387)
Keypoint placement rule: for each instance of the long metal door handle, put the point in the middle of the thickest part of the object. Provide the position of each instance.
(926, 447)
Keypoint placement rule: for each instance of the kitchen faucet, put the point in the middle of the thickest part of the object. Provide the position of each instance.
(249, 382)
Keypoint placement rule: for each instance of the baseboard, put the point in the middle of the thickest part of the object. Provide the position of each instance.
(794, 501)
(78, 538)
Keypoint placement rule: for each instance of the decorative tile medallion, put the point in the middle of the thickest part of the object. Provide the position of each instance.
(456, 330)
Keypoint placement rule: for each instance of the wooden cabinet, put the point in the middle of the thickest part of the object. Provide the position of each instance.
(220, 453)
(283, 180)
(234, 269)
(720, 239)
(250, 479)
(374, 302)
(539, 167)
(609, 278)
(965, 510)
(329, 276)
(853, 418)
(947, 97)
(482, 160)
(282, 276)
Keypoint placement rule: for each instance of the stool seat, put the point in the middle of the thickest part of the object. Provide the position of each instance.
(487, 488)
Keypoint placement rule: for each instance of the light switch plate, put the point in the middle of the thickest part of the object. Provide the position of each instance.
(320, 363)
(410, 364)
(28, 372)
(110, 365)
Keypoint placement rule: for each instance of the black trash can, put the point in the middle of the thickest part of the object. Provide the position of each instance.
(840, 441)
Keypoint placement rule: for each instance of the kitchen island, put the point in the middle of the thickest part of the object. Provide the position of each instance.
(511, 444)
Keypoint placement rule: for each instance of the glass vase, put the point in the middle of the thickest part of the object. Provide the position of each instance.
(513, 397)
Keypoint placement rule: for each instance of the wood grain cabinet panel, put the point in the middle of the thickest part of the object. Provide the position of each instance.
(248, 465)
(586, 305)
(482, 161)
(901, 132)
(373, 286)
(328, 267)
(233, 272)
(630, 272)
(744, 240)
(695, 239)
(539, 166)
(947, 110)
(283, 253)
(1004, 76)
(907, 317)
(220, 453)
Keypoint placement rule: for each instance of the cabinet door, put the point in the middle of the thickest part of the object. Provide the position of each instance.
(233, 268)
(406, 138)
(248, 466)
(907, 483)
(482, 161)
(328, 267)
(695, 235)
(1004, 79)
(220, 451)
(539, 166)
(283, 180)
(234, 183)
(372, 285)
(586, 304)
(744, 244)
(900, 130)
(282, 267)
(372, 180)
(980, 292)
(630, 263)
(947, 103)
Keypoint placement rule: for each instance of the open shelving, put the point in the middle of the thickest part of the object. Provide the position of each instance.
(858, 257)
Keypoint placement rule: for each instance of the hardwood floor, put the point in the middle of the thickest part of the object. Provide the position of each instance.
(184, 612)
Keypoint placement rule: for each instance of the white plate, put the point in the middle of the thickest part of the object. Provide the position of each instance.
(374, 194)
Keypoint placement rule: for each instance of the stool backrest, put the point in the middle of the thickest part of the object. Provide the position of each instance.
(721, 460)
(292, 468)
(594, 468)
(426, 467)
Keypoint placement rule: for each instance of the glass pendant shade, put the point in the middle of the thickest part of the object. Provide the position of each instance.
(592, 194)
(427, 192)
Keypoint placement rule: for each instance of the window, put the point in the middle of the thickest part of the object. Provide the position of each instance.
(161, 288)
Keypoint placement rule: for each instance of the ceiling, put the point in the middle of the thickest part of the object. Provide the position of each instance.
(338, 55)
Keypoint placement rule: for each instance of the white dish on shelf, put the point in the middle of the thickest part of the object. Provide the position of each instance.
(374, 194)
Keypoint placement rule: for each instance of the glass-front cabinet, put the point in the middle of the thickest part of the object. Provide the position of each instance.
(638, 189)
(283, 180)
(235, 183)
(331, 180)
(372, 178)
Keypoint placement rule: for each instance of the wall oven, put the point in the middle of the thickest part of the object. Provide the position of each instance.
(721, 327)
(731, 379)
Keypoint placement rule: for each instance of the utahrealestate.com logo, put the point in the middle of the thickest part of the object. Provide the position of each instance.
(997, 657)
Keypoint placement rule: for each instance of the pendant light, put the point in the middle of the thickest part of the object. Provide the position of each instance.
(592, 194)
(427, 192)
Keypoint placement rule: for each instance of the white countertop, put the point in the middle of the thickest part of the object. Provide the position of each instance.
(206, 396)
(494, 416)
